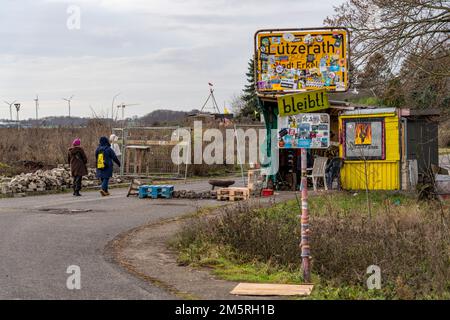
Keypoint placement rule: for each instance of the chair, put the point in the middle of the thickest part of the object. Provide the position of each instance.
(333, 171)
(318, 171)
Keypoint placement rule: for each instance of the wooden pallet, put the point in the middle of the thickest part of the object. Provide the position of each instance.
(133, 189)
(233, 194)
(268, 289)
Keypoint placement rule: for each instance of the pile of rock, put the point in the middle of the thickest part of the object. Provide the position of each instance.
(43, 180)
(211, 194)
(189, 194)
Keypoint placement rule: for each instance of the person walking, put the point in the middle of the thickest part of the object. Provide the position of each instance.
(113, 140)
(105, 157)
(77, 160)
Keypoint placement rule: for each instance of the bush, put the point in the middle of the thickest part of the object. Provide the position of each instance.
(410, 242)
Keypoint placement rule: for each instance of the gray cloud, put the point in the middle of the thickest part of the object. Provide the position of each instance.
(158, 53)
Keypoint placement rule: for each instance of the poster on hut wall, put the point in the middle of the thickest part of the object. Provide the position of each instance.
(302, 60)
(305, 130)
(363, 133)
(364, 139)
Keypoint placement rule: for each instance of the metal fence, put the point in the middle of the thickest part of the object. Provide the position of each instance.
(147, 151)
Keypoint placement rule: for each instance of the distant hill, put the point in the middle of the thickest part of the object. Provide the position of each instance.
(155, 118)
(161, 116)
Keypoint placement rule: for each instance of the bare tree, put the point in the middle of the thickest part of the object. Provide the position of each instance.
(396, 29)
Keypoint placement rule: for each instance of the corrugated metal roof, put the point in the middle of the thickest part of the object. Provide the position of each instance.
(369, 111)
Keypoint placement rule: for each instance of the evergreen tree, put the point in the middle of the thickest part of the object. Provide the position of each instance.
(249, 96)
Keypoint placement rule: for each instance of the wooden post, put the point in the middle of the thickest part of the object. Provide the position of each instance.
(304, 244)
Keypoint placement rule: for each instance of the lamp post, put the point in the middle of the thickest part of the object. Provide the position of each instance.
(112, 106)
(10, 109)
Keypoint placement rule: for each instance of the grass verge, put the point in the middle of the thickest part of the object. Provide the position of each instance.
(409, 241)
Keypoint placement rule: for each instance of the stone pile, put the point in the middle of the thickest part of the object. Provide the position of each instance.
(212, 194)
(57, 179)
(189, 194)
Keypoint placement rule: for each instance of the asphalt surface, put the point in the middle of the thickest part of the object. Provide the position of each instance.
(40, 237)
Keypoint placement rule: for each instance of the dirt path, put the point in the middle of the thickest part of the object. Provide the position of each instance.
(144, 252)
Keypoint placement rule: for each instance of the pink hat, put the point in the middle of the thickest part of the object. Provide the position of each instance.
(76, 142)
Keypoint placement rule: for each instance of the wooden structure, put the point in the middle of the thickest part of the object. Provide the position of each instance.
(136, 160)
(233, 194)
(373, 161)
(272, 289)
(391, 139)
(133, 189)
(289, 159)
(147, 151)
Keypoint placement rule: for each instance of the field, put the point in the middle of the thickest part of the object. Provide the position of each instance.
(408, 240)
(34, 148)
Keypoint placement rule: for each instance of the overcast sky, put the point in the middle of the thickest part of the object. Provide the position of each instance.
(158, 53)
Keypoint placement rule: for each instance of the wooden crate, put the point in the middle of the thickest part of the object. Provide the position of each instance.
(233, 194)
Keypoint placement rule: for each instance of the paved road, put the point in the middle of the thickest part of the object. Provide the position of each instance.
(38, 243)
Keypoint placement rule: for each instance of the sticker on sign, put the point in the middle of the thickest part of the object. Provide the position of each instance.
(303, 60)
(306, 131)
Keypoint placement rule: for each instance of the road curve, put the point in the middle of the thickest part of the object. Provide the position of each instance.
(41, 236)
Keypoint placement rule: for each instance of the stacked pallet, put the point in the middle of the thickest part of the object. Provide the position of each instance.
(156, 191)
(233, 194)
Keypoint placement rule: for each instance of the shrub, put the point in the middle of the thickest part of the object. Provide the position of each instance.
(410, 242)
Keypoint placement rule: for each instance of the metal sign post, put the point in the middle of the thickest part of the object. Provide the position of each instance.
(304, 243)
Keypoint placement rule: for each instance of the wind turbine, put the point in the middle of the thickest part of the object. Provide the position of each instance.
(68, 101)
(37, 106)
(10, 108)
(17, 105)
(122, 105)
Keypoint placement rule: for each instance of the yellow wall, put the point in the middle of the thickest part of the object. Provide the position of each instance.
(381, 174)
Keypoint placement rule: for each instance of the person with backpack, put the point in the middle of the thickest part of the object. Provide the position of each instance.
(77, 160)
(105, 157)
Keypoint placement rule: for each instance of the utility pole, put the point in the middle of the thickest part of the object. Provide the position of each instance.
(123, 105)
(17, 105)
(10, 108)
(68, 101)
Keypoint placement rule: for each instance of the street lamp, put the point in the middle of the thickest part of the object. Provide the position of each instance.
(10, 108)
(112, 106)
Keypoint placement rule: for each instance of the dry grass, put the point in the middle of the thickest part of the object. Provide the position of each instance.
(409, 241)
(46, 146)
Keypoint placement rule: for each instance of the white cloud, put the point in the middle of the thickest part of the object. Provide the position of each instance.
(158, 53)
